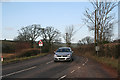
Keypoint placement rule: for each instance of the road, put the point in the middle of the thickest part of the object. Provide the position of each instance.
(45, 67)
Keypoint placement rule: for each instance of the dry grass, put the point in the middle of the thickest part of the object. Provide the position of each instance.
(23, 58)
(22, 55)
(8, 55)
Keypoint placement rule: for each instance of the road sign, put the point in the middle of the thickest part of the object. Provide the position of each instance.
(97, 48)
(40, 43)
(1, 58)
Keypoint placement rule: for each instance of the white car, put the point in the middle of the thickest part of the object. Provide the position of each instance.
(63, 54)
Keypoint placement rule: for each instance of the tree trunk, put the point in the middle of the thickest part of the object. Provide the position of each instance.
(101, 34)
(32, 42)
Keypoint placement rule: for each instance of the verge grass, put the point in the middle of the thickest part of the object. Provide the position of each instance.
(23, 58)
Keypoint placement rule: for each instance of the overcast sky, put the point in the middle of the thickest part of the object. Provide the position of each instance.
(16, 15)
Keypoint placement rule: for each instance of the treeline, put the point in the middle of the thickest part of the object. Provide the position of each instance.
(16, 47)
(49, 36)
(106, 50)
(31, 33)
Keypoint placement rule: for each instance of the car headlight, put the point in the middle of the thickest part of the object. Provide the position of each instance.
(68, 55)
(55, 55)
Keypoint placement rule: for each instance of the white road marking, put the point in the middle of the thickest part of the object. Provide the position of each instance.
(72, 71)
(49, 62)
(79, 67)
(19, 71)
(83, 64)
(87, 59)
(62, 77)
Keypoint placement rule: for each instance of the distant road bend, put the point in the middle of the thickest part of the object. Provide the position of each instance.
(45, 67)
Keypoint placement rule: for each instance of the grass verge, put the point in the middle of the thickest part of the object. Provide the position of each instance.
(23, 58)
(105, 60)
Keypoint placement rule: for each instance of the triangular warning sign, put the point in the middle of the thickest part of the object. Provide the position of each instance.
(40, 42)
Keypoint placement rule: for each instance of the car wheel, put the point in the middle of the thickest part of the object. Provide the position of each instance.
(55, 61)
(70, 60)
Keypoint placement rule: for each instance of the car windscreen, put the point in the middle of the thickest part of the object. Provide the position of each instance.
(63, 50)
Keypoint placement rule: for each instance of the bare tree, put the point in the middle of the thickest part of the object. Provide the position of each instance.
(89, 40)
(49, 34)
(29, 33)
(69, 33)
(58, 40)
(104, 21)
(79, 43)
(86, 40)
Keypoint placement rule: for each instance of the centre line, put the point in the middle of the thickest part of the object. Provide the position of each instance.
(19, 71)
(62, 77)
(79, 67)
(72, 71)
(49, 62)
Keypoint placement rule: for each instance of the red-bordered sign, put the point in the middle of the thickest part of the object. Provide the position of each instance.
(1, 58)
(40, 43)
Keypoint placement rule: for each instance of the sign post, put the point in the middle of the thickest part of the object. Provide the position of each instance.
(40, 44)
(97, 48)
(2, 58)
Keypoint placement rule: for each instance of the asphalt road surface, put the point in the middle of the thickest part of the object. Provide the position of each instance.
(45, 67)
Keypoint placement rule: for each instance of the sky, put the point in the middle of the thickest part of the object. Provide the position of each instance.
(16, 15)
(119, 21)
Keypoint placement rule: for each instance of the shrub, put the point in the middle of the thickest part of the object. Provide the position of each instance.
(82, 49)
(8, 47)
(110, 50)
(21, 45)
(106, 50)
(28, 52)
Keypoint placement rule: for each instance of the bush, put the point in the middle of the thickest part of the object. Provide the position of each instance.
(105, 42)
(106, 50)
(8, 47)
(21, 45)
(82, 49)
(28, 52)
(109, 50)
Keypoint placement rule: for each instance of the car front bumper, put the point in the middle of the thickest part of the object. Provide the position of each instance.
(62, 58)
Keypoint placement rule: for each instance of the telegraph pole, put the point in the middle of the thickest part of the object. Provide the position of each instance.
(66, 39)
(96, 34)
(95, 29)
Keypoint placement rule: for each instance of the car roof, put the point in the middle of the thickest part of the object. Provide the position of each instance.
(64, 47)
